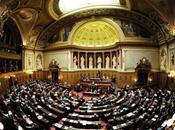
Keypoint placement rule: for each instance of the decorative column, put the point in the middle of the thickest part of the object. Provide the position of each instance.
(95, 60)
(24, 62)
(117, 58)
(78, 53)
(103, 60)
(120, 59)
(110, 65)
(72, 59)
(86, 60)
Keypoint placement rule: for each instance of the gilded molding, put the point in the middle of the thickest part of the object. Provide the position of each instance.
(128, 42)
(51, 9)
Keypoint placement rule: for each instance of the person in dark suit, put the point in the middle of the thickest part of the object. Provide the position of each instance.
(109, 126)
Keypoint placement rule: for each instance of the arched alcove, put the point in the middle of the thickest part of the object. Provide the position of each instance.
(96, 33)
(11, 39)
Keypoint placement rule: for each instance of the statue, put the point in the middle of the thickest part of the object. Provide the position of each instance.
(82, 62)
(114, 62)
(90, 62)
(107, 62)
(99, 61)
(39, 62)
(75, 62)
(119, 60)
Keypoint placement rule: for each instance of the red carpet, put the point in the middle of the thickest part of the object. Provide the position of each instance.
(80, 94)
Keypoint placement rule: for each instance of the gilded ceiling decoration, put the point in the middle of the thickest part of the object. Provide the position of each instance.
(33, 36)
(157, 16)
(26, 19)
(61, 8)
(6, 11)
(4, 15)
(28, 15)
(143, 21)
(95, 34)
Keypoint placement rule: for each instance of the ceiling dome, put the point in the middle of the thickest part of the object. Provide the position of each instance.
(95, 34)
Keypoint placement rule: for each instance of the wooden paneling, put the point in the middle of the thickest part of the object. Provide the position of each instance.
(166, 82)
(20, 77)
(73, 77)
(122, 78)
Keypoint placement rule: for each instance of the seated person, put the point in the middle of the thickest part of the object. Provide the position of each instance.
(109, 126)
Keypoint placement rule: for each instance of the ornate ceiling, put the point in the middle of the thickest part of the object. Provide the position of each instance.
(36, 23)
(161, 12)
(95, 34)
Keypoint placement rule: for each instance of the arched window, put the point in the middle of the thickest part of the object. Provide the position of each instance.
(70, 5)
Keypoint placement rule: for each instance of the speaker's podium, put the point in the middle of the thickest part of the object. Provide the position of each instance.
(55, 70)
(143, 70)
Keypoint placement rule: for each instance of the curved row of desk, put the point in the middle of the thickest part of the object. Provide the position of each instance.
(40, 105)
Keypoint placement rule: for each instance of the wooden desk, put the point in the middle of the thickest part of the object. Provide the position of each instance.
(100, 84)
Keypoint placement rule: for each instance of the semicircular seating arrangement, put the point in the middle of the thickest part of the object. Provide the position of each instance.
(39, 105)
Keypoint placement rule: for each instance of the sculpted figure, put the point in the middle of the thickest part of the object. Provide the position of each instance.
(75, 62)
(90, 62)
(39, 63)
(114, 62)
(82, 62)
(107, 62)
(99, 61)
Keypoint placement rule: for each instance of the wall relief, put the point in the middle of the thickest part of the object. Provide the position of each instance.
(163, 60)
(39, 65)
(29, 62)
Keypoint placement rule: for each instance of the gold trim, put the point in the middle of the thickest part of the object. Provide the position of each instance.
(51, 11)
(92, 7)
(56, 16)
(24, 37)
(65, 45)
